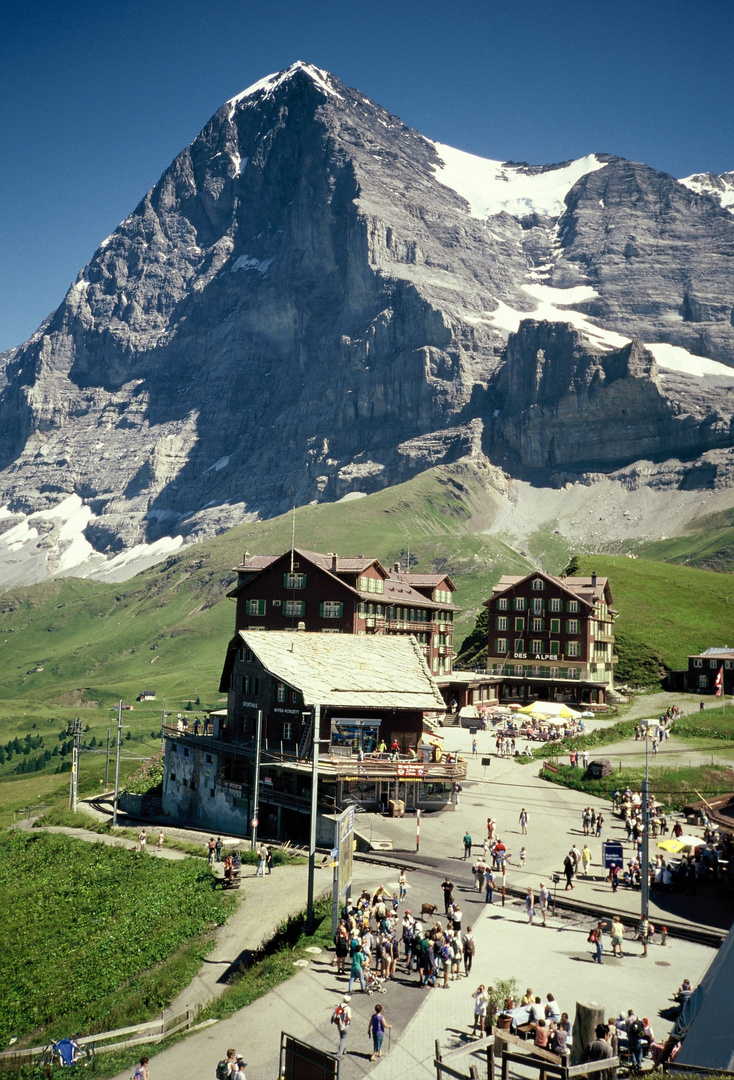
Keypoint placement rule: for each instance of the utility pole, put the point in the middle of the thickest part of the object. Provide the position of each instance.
(163, 724)
(74, 779)
(117, 763)
(645, 860)
(314, 812)
(256, 793)
(107, 763)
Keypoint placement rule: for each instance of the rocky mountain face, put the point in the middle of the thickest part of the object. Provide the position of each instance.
(316, 300)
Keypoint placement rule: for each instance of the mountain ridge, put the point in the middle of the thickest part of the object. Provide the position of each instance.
(302, 308)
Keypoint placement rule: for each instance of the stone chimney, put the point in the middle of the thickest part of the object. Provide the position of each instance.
(593, 579)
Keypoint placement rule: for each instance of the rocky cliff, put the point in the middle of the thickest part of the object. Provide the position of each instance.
(315, 300)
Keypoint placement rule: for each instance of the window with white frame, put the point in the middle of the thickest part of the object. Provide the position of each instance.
(555, 604)
(572, 648)
(573, 605)
(537, 648)
(282, 692)
(500, 645)
(519, 603)
(538, 584)
(255, 607)
(572, 626)
(538, 625)
(698, 663)
(287, 731)
(502, 603)
(537, 605)
(294, 608)
(703, 680)
(332, 609)
(501, 622)
(294, 581)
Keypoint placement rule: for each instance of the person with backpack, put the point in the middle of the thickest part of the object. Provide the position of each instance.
(469, 947)
(342, 1017)
(226, 1066)
(635, 1042)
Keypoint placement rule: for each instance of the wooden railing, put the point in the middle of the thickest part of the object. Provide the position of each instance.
(153, 1031)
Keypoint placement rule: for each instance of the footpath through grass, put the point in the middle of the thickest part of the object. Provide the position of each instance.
(96, 937)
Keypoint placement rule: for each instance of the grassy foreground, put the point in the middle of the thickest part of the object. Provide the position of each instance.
(96, 937)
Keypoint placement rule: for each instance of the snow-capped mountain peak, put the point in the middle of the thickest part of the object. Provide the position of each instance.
(270, 83)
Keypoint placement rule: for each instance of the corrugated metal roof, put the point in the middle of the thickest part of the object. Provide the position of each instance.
(371, 672)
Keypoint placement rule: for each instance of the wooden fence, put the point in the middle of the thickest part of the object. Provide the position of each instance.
(155, 1031)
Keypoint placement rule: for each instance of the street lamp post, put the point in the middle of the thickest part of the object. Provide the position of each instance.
(645, 860)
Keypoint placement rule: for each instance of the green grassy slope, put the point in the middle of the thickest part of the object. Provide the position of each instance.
(668, 609)
(708, 544)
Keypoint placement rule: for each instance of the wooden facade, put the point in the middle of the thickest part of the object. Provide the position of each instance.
(328, 594)
(552, 637)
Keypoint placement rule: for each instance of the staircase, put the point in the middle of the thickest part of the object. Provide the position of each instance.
(306, 738)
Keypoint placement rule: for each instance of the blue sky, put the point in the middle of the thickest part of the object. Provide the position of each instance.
(98, 97)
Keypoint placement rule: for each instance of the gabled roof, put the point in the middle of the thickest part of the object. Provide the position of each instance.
(428, 580)
(586, 589)
(369, 672)
(398, 588)
(713, 654)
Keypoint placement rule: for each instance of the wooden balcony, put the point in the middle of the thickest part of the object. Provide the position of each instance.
(334, 762)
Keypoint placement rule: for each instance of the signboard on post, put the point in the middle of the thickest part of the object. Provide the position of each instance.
(343, 865)
(612, 852)
(411, 770)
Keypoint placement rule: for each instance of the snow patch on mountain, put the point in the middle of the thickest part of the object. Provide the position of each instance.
(674, 358)
(720, 188)
(549, 303)
(491, 187)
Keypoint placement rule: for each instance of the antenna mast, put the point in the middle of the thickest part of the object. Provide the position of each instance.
(293, 536)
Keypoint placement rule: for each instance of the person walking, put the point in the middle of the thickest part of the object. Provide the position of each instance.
(585, 859)
(448, 894)
(530, 905)
(226, 1066)
(376, 1028)
(474, 747)
(543, 900)
(218, 848)
(524, 821)
(269, 858)
(359, 960)
(141, 1072)
(161, 838)
(402, 886)
(596, 937)
(211, 848)
(617, 936)
(568, 870)
(342, 1017)
(643, 933)
(488, 885)
(469, 947)
(262, 858)
(143, 840)
(481, 1001)
(467, 845)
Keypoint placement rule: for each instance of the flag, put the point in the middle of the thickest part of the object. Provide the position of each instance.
(719, 683)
